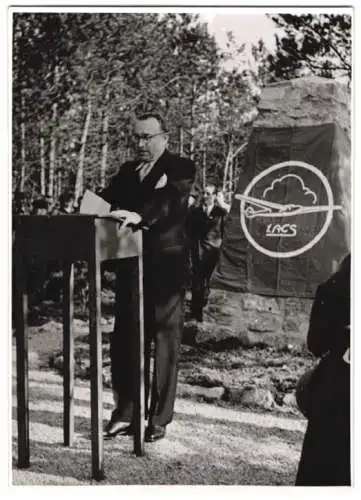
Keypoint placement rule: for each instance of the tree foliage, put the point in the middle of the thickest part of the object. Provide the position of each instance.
(79, 80)
(308, 43)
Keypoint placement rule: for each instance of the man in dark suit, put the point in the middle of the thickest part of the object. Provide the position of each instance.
(205, 227)
(151, 192)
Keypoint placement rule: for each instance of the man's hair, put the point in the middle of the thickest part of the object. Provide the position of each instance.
(210, 185)
(157, 116)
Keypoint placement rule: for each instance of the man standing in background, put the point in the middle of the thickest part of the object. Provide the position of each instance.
(206, 227)
(151, 192)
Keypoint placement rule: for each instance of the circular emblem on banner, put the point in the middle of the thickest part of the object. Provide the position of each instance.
(286, 209)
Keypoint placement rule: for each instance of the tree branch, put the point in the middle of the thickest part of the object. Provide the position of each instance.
(312, 31)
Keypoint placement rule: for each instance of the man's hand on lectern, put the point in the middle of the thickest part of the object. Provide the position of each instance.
(126, 218)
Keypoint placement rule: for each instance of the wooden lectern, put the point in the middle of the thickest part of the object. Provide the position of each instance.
(70, 238)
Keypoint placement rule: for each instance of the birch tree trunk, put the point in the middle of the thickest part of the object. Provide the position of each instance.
(193, 106)
(22, 143)
(204, 168)
(226, 167)
(230, 182)
(52, 155)
(42, 159)
(240, 149)
(79, 181)
(59, 183)
(204, 158)
(105, 126)
(230, 159)
(181, 140)
(205, 135)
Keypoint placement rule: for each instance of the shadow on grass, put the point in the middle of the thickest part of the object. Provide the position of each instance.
(41, 394)
(82, 425)
(256, 431)
(205, 454)
(121, 466)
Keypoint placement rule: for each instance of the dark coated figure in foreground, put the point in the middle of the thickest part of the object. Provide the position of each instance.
(324, 394)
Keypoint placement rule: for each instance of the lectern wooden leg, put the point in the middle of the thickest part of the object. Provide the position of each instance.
(68, 349)
(22, 382)
(96, 372)
(139, 405)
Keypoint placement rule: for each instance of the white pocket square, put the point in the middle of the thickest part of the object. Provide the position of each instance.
(162, 182)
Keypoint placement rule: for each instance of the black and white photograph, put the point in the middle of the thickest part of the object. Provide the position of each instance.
(181, 227)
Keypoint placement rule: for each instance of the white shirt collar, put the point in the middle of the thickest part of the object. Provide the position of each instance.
(150, 163)
(208, 209)
(143, 164)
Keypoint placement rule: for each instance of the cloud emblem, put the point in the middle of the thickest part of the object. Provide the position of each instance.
(302, 188)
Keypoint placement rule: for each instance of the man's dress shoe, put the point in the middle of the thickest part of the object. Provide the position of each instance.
(117, 427)
(154, 433)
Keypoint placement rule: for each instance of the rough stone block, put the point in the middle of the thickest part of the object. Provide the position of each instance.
(265, 323)
(303, 329)
(258, 397)
(289, 399)
(208, 332)
(252, 339)
(294, 306)
(304, 101)
(233, 394)
(207, 393)
(291, 325)
(259, 303)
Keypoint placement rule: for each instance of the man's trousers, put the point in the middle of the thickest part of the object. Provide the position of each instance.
(203, 263)
(164, 290)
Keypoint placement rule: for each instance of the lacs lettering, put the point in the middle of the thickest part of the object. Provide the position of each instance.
(281, 230)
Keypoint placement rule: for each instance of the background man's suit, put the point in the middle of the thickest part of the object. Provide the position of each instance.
(163, 209)
(206, 232)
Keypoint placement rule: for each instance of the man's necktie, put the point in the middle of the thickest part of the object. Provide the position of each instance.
(207, 210)
(144, 169)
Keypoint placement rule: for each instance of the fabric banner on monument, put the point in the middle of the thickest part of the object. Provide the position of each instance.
(289, 223)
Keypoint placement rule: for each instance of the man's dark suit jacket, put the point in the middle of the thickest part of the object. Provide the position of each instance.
(164, 209)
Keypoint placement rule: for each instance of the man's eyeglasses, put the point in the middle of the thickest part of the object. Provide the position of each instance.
(145, 138)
